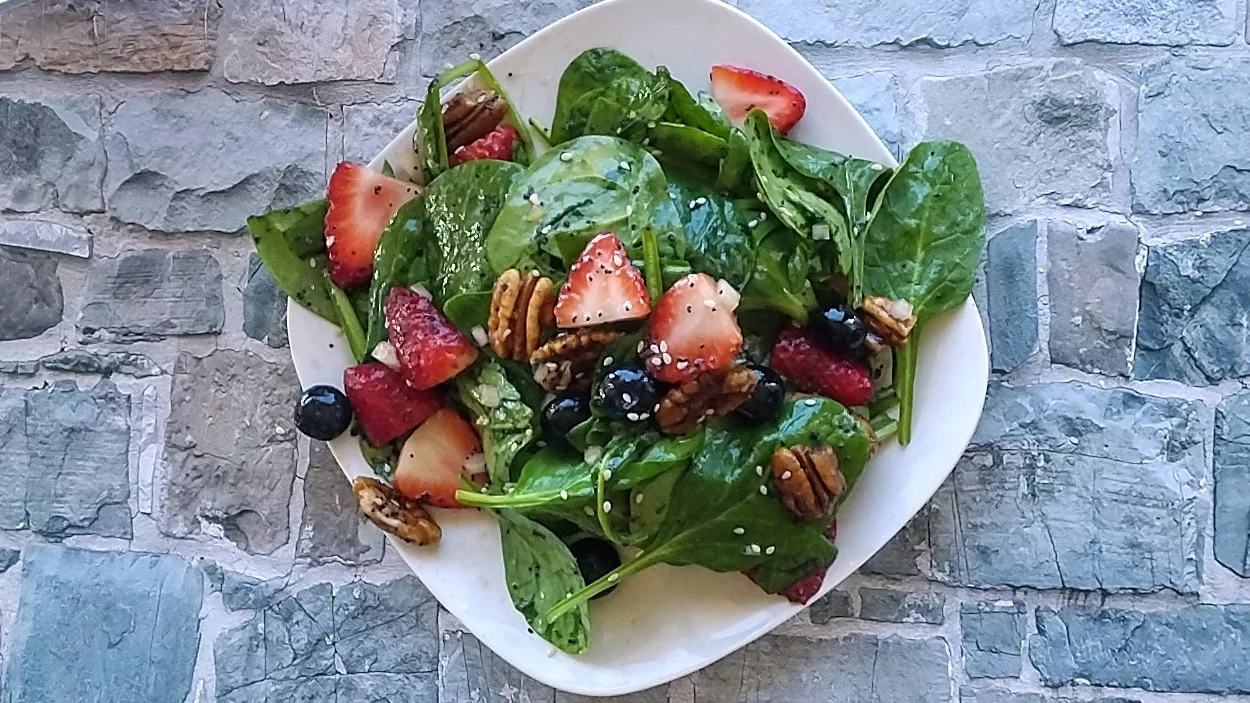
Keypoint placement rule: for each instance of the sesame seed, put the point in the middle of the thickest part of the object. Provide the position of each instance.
(709, 412)
(546, 229)
(613, 577)
(754, 549)
(535, 200)
(663, 346)
(770, 549)
(753, 223)
(700, 200)
(650, 125)
(709, 304)
(589, 511)
(656, 361)
(617, 260)
(785, 476)
(739, 531)
(759, 470)
(566, 156)
(641, 345)
(627, 398)
(552, 365)
(629, 210)
(637, 497)
(632, 417)
(607, 474)
(624, 165)
(564, 495)
(607, 506)
(607, 360)
(475, 57)
(763, 490)
(667, 359)
(810, 402)
(682, 364)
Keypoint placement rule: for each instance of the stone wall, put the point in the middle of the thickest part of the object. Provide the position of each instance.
(166, 536)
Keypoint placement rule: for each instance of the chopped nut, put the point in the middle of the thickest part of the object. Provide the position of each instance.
(522, 308)
(706, 395)
(889, 321)
(568, 361)
(808, 480)
(468, 117)
(394, 513)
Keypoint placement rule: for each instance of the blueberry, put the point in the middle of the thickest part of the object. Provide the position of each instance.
(596, 558)
(323, 412)
(765, 403)
(841, 329)
(627, 393)
(563, 413)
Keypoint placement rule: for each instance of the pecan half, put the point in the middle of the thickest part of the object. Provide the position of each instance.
(708, 394)
(568, 361)
(889, 321)
(808, 480)
(391, 512)
(470, 116)
(522, 307)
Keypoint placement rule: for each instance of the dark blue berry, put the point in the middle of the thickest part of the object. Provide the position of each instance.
(563, 413)
(628, 394)
(765, 402)
(841, 329)
(596, 558)
(323, 413)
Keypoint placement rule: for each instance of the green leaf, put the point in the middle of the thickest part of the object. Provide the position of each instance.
(736, 165)
(702, 113)
(382, 460)
(504, 422)
(589, 72)
(349, 322)
(399, 261)
(688, 146)
(625, 107)
(649, 504)
(783, 263)
(718, 240)
(291, 245)
(430, 138)
(468, 310)
(540, 571)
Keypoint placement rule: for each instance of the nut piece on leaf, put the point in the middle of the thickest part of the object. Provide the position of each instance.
(521, 309)
(889, 321)
(709, 394)
(391, 512)
(808, 480)
(568, 361)
(470, 116)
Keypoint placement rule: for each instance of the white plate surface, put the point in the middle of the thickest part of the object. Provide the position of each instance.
(670, 621)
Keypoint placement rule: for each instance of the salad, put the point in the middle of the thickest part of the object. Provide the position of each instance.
(656, 331)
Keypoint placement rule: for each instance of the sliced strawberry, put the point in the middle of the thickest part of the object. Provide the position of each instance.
(430, 349)
(362, 203)
(802, 590)
(813, 368)
(603, 286)
(434, 458)
(740, 90)
(384, 404)
(693, 329)
(497, 144)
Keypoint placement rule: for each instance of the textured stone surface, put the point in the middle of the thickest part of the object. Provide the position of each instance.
(230, 427)
(1067, 485)
(1001, 695)
(1011, 289)
(65, 465)
(1170, 22)
(31, 300)
(51, 156)
(128, 622)
(993, 634)
(45, 235)
(91, 36)
(875, 96)
(324, 644)
(1201, 648)
(451, 31)
(104, 364)
(206, 160)
(369, 127)
(1232, 483)
(1194, 295)
(332, 528)
(889, 605)
(1048, 139)
(152, 294)
(1092, 277)
(19, 368)
(1193, 143)
(278, 41)
(8, 557)
(898, 557)
(834, 604)
(264, 306)
(866, 23)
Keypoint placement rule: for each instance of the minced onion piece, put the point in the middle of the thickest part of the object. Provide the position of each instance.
(479, 335)
(727, 294)
(475, 464)
(489, 395)
(420, 290)
(820, 231)
(385, 353)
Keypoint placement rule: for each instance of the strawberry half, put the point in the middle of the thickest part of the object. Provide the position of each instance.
(813, 368)
(693, 329)
(362, 203)
(430, 349)
(497, 144)
(384, 404)
(740, 90)
(435, 457)
(603, 286)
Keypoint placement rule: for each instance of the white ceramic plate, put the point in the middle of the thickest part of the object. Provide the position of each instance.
(670, 621)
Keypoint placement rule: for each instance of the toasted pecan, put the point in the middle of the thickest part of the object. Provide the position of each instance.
(808, 480)
(567, 362)
(706, 395)
(521, 312)
(394, 513)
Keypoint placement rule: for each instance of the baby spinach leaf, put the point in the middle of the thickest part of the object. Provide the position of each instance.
(540, 571)
(735, 167)
(688, 146)
(291, 244)
(468, 310)
(430, 138)
(625, 107)
(702, 113)
(382, 460)
(718, 241)
(504, 422)
(661, 454)
(400, 260)
(649, 504)
(589, 72)
(783, 264)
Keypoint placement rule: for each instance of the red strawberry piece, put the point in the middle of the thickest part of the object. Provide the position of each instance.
(498, 144)
(430, 349)
(740, 90)
(603, 286)
(802, 590)
(434, 458)
(693, 329)
(362, 203)
(812, 368)
(384, 404)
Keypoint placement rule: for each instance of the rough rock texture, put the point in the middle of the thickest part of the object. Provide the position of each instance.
(230, 426)
(452, 31)
(1232, 483)
(105, 364)
(332, 528)
(205, 161)
(1171, 22)
(834, 604)
(91, 36)
(368, 128)
(128, 622)
(1196, 649)
(876, 96)
(152, 294)
(993, 634)
(1092, 278)
(1193, 143)
(277, 41)
(867, 23)
(8, 557)
(240, 591)
(264, 306)
(65, 465)
(1001, 695)
(1048, 140)
(45, 235)
(1011, 289)
(31, 301)
(1067, 485)
(51, 156)
(1194, 295)
(888, 605)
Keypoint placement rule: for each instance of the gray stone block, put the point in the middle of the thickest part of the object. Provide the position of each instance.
(230, 449)
(1011, 290)
(876, 96)
(8, 557)
(152, 294)
(103, 364)
(369, 127)
(45, 235)
(1192, 326)
(1047, 140)
(31, 299)
(898, 557)
(1193, 143)
(1232, 483)
(834, 604)
(1194, 649)
(1067, 485)
(51, 155)
(993, 635)
(1168, 22)
(264, 306)
(969, 694)
(450, 31)
(19, 368)
(1092, 276)
(866, 23)
(127, 625)
(332, 528)
(889, 605)
(187, 162)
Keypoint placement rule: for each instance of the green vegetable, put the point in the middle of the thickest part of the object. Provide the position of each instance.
(291, 244)
(687, 146)
(504, 422)
(625, 107)
(382, 460)
(703, 113)
(718, 241)
(349, 323)
(399, 261)
(468, 310)
(923, 246)
(541, 571)
(736, 164)
(783, 263)
(583, 81)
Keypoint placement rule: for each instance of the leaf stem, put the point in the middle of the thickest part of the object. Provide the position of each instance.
(651, 264)
(478, 499)
(904, 382)
(349, 323)
(600, 492)
(612, 578)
